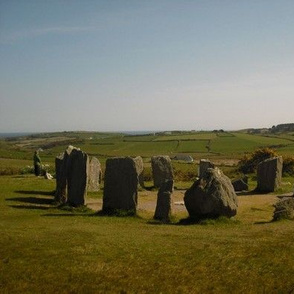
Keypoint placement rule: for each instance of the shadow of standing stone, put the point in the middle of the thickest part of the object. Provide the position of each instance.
(269, 174)
(163, 210)
(120, 186)
(161, 169)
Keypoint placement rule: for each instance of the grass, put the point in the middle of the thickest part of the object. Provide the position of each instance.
(47, 250)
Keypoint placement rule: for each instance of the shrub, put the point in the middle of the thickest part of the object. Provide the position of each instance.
(288, 166)
(249, 162)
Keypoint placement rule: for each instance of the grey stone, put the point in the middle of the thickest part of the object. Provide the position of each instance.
(204, 164)
(120, 185)
(61, 175)
(161, 169)
(284, 209)
(77, 177)
(94, 174)
(211, 196)
(140, 170)
(269, 174)
(240, 184)
(164, 202)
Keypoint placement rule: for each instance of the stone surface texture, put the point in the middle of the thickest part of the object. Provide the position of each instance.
(161, 169)
(269, 174)
(120, 185)
(211, 196)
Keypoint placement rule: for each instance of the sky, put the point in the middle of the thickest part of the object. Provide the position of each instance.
(135, 65)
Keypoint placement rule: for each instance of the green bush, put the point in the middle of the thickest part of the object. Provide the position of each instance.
(288, 166)
(249, 162)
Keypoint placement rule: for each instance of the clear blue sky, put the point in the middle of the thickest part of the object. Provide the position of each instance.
(115, 65)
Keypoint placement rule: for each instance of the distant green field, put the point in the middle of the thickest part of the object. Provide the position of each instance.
(222, 145)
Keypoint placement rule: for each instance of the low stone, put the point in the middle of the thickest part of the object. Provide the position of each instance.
(240, 184)
(164, 202)
(161, 169)
(211, 196)
(284, 209)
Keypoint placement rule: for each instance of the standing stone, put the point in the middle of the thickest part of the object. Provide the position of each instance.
(140, 169)
(161, 169)
(94, 174)
(77, 177)
(120, 185)
(203, 166)
(269, 174)
(164, 202)
(61, 175)
(211, 196)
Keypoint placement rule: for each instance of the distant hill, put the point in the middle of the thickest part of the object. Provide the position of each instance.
(282, 128)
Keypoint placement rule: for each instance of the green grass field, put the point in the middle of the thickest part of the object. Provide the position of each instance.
(47, 250)
(44, 249)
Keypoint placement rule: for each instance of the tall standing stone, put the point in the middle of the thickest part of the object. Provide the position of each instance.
(269, 174)
(204, 165)
(120, 185)
(164, 202)
(94, 174)
(61, 175)
(140, 169)
(77, 177)
(161, 169)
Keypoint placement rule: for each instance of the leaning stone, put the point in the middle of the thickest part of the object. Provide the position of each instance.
(284, 209)
(120, 186)
(94, 174)
(240, 184)
(140, 170)
(77, 177)
(204, 165)
(269, 174)
(211, 196)
(161, 169)
(164, 202)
